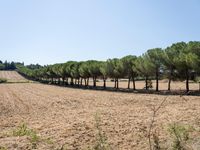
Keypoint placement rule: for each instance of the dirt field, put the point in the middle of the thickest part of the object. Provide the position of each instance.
(12, 76)
(65, 116)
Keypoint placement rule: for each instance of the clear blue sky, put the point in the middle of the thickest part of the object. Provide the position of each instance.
(51, 31)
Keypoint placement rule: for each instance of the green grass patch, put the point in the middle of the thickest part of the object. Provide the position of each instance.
(23, 130)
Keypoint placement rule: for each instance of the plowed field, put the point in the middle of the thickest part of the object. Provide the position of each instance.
(65, 117)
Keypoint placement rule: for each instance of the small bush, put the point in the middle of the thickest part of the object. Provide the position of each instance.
(2, 80)
(180, 135)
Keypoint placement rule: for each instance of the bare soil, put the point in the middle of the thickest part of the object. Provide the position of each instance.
(66, 116)
(12, 76)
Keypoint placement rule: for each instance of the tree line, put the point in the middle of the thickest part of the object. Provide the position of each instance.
(7, 65)
(180, 61)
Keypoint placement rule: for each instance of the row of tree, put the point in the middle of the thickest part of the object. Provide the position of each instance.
(179, 61)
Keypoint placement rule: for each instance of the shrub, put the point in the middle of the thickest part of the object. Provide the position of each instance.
(2, 80)
(180, 135)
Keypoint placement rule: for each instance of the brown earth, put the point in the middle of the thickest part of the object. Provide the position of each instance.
(66, 116)
(12, 76)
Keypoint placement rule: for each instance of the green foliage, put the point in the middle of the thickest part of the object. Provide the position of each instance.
(115, 68)
(129, 65)
(143, 66)
(84, 69)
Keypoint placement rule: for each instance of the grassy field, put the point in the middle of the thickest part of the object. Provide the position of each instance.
(39, 116)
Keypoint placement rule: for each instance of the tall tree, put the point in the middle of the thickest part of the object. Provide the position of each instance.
(169, 61)
(184, 62)
(155, 57)
(129, 69)
(75, 72)
(104, 72)
(94, 70)
(84, 72)
(115, 70)
(144, 68)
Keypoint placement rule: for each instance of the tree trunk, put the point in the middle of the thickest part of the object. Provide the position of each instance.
(146, 82)
(72, 82)
(170, 79)
(94, 81)
(67, 83)
(78, 81)
(81, 81)
(129, 79)
(117, 84)
(63, 80)
(88, 81)
(85, 81)
(157, 76)
(169, 84)
(133, 83)
(59, 81)
(52, 80)
(187, 81)
(104, 83)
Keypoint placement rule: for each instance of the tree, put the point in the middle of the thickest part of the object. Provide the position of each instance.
(104, 72)
(129, 69)
(63, 73)
(115, 70)
(169, 62)
(155, 58)
(56, 72)
(84, 72)
(69, 66)
(74, 73)
(184, 62)
(50, 73)
(94, 70)
(194, 48)
(144, 68)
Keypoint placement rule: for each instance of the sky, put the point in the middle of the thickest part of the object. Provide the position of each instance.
(56, 31)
